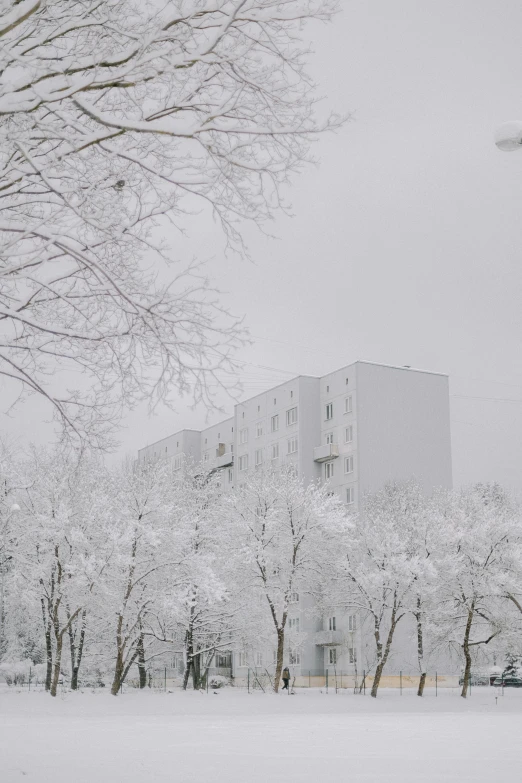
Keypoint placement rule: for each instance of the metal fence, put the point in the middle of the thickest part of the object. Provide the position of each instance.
(342, 681)
(262, 680)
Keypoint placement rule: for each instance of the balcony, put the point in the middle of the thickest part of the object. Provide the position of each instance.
(326, 452)
(225, 460)
(328, 638)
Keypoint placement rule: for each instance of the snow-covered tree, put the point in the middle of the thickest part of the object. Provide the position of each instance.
(287, 534)
(113, 114)
(423, 532)
(9, 486)
(138, 539)
(203, 609)
(56, 558)
(480, 531)
(384, 566)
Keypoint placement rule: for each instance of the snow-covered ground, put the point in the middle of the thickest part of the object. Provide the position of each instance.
(260, 738)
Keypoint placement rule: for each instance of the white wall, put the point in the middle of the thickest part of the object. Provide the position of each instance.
(184, 442)
(403, 427)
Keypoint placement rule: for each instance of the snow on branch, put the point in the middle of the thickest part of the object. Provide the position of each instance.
(112, 115)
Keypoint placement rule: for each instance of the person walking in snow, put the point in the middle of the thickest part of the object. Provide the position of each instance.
(286, 677)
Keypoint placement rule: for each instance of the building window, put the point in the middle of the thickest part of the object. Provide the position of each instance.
(275, 450)
(259, 659)
(350, 495)
(243, 659)
(328, 411)
(205, 441)
(329, 437)
(348, 404)
(327, 389)
(206, 456)
(243, 462)
(177, 444)
(275, 401)
(259, 429)
(230, 475)
(332, 655)
(243, 435)
(348, 464)
(177, 462)
(166, 448)
(274, 423)
(351, 654)
(346, 381)
(258, 408)
(292, 445)
(291, 394)
(348, 434)
(295, 658)
(328, 470)
(293, 624)
(352, 622)
(331, 624)
(294, 598)
(291, 416)
(259, 457)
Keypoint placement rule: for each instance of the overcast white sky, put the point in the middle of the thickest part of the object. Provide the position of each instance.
(406, 240)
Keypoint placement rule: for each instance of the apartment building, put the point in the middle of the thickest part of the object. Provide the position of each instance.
(357, 428)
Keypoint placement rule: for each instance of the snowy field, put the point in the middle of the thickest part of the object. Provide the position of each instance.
(235, 737)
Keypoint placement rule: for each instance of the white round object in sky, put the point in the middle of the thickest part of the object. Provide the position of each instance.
(508, 137)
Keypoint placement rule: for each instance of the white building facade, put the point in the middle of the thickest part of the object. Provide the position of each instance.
(357, 428)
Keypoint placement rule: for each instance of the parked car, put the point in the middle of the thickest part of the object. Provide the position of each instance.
(476, 679)
(509, 681)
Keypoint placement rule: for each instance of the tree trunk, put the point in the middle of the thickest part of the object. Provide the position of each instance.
(189, 655)
(142, 671)
(420, 648)
(76, 652)
(48, 648)
(279, 657)
(186, 674)
(384, 655)
(422, 683)
(206, 667)
(121, 669)
(118, 674)
(378, 646)
(377, 678)
(48, 659)
(57, 665)
(196, 671)
(467, 653)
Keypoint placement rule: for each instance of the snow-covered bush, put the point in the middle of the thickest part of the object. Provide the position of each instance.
(18, 672)
(218, 681)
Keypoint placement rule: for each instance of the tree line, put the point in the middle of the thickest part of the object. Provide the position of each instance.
(105, 571)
